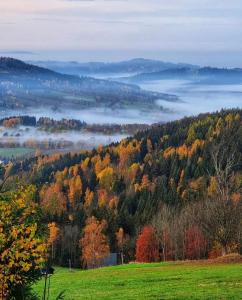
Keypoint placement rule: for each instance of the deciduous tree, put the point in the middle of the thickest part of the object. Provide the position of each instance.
(147, 246)
(195, 243)
(53, 236)
(22, 250)
(94, 244)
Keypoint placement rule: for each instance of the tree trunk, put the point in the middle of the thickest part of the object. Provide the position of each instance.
(224, 250)
(122, 258)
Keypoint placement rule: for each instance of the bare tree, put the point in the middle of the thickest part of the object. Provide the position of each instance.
(221, 222)
(172, 226)
(221, 215)
(166, 231)
(224, 161)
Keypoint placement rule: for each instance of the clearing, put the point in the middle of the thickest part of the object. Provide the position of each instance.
(173, 280)
(15, 152)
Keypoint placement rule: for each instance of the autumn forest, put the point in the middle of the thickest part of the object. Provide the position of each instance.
(171, 192)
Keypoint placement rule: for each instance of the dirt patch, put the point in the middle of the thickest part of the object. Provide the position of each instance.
(229, 258)
(232, 258)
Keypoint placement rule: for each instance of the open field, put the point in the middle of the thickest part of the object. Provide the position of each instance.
(14, 152)
(149, 281)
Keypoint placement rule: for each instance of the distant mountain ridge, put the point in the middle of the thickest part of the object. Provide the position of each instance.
(140, 69)
(26, 85)
(204, 74)
(135, 66)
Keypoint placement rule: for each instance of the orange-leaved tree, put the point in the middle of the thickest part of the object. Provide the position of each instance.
(95, 247)
(53, 236)
(53, 201)
(147, 246)
(22, 248)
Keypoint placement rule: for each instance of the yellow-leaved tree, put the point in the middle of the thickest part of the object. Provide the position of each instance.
(22, 249)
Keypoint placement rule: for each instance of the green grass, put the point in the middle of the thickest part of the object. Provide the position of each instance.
(149, 281)
(14, 152)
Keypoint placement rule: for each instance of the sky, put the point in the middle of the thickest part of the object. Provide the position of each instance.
(193, 31)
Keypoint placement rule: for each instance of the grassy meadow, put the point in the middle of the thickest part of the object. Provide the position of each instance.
(149, 281)
(15, 152)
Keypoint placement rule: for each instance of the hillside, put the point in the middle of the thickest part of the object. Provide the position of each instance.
(165, 174)
(13, 66)
(149, 281)
(27, 86)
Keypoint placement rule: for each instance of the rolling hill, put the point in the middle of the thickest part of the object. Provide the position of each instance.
(168, 171)
(23, 85)
(205, 75)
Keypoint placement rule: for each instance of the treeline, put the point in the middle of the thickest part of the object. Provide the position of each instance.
(109, 129)
(63, 124)
(52, 125)
(14, 121)
(49, 124)
(44, 122)
(174, 190)
(43, 145)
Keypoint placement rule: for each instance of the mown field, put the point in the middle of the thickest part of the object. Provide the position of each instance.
(15, 152)
(149, 281)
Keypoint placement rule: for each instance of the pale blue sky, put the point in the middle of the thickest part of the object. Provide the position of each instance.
(201, 32)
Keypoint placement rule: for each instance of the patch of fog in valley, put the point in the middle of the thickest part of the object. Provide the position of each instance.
(75, 139)
(196, 98)
(97, 115)
(110, 76)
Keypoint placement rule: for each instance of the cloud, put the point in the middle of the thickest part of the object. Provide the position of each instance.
(95, 0)
(122, 26)
(17, 52)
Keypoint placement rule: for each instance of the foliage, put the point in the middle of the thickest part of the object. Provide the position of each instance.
(22, 249)
(195, 243)
(182, 165)
(147, 247)
(53, 236)
(94, 243)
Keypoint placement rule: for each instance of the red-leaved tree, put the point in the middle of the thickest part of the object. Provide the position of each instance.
(195, 243)
(147, 246)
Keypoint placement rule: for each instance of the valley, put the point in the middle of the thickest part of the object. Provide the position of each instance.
(197, 89)
(140, 172)
(120, 150)
(25, 135)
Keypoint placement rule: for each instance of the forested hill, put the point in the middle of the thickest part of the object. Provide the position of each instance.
(127, 183)
(13, 66)
(28, 86)
(204, 75)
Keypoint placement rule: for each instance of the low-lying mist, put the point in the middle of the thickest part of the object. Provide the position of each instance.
(97, 115)
(196, 98)
(35, 138)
